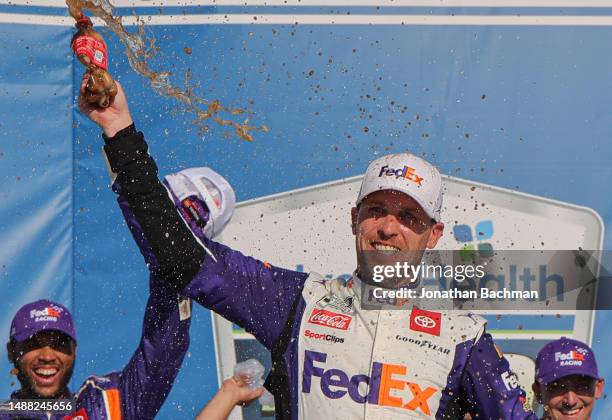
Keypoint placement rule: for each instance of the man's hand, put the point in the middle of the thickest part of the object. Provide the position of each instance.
(112, 119)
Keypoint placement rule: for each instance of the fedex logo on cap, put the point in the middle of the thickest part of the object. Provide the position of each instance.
(386, 386)
(47, 314)
(406, 172)
(571, 358)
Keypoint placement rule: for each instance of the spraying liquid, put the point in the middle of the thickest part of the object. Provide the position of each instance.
(139, 53)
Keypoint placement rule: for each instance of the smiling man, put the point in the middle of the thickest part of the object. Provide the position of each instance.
(42, 347)
(332, 358)
(567, 382)
(397, 215)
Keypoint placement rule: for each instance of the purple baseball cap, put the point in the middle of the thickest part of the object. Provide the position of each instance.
(42, 315)
(564, 357)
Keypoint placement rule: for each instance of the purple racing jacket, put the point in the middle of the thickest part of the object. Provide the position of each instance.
(138, 391)
(331, 357)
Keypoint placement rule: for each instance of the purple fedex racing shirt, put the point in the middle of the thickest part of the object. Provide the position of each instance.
(331, 357)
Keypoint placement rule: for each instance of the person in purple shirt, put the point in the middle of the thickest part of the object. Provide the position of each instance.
(43, 345)
(567, 381)
(331, 356)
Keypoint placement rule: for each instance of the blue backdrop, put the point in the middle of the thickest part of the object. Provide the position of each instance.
(521, 106)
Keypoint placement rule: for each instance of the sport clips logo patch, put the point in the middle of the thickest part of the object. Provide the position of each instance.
(331, 338)
(387, 384)
(406, 172)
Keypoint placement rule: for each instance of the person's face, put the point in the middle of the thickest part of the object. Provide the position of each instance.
(571, 397)
(45, 364)
(387, 222)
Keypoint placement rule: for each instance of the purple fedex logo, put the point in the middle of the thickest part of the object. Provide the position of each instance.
(406, 172)
(385, 386)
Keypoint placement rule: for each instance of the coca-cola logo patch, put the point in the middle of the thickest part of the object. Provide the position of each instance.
(330, 319)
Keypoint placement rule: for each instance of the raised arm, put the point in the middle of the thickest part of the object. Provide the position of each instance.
(147, 379)
(254, 295)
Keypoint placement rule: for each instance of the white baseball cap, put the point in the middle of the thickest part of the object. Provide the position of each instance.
(409, 174)
(212, 189)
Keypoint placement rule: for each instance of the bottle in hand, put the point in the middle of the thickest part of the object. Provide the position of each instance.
(90, 48)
